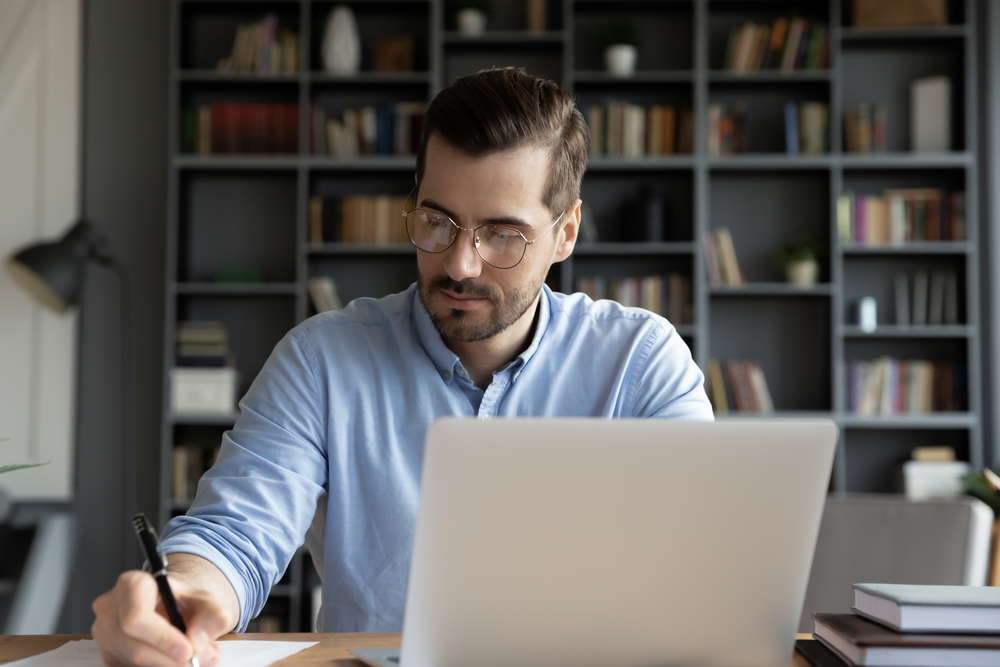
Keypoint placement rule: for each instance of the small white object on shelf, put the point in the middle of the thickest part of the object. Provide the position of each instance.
(341, 42)
(620, 59)
(203, 391)
(471, 22)
(925, 480)
(868, 314)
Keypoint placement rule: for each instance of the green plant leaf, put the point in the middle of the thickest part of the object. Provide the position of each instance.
(18, 466)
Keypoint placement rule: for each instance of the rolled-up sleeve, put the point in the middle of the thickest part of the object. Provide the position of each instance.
(665, 381)
(254, 506)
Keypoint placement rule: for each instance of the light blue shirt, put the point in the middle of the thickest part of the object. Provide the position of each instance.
(333, 427)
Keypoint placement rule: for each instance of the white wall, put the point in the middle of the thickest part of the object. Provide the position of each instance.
(39, 198)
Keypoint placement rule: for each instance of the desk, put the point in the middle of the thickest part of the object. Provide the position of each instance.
(331, 650)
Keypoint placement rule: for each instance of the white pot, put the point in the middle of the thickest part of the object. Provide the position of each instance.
(471, 22)
(620, 59)
(802, 273)
(341, 42)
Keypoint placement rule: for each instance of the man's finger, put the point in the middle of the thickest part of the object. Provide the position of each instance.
(129, 651)
(140, 622)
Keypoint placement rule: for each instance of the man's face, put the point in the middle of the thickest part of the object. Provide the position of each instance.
(469, 300)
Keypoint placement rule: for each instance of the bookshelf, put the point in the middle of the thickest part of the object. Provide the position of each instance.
(229, 210)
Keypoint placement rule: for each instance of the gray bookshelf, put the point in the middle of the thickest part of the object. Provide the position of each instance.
(253, 209)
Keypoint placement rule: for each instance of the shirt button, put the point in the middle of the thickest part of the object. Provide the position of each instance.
(517, 375)
(462, 373)
(486, 416)
(446, 376)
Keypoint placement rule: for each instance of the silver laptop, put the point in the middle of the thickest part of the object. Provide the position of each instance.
(627, 542)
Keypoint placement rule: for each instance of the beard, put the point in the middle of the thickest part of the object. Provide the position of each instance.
(463, 326)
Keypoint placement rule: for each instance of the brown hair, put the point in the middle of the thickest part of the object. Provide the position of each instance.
(503, 109)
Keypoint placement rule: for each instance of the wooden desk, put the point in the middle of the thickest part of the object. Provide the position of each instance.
(331, 650)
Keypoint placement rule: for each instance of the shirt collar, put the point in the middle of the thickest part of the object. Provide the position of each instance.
(445, 360)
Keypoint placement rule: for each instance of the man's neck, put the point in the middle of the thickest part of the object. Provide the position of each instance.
(481, 358)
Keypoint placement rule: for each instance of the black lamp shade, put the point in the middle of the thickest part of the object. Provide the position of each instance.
(52, 271)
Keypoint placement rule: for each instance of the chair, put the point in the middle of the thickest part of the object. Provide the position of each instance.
(887, 539)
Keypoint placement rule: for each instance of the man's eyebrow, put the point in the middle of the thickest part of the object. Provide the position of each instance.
(507, 220)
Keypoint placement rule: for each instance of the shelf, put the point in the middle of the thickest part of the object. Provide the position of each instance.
(932, 420)
(906, 160)
(750, 161)
(784, 415)
(204, 420)
(236, 289)
(647, 163)
(404, 249)
(374, 78)
(770, 76)
(648, 76)
(620, 249)
(363, 162)
(914, 331)
(926, 248)
(849, 36)
(249, 162)
(495, 37)
(773, 289)
(213, 76)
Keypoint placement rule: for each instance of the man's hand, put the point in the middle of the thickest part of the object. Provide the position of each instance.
(132, 628)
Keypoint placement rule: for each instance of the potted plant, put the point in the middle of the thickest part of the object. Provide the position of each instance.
(470, 16)
(800, 260)
(621, 42)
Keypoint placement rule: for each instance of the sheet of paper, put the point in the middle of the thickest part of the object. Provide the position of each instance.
(85, 653)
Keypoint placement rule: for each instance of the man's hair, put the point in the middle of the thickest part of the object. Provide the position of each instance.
(503, 109)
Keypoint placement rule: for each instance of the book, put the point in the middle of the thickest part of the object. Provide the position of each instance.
(791, 129)
(730, 271)
(931, 609)
(920, 286)
(930, 114)
(323, 292)
(819, 655)
(865, 643)
(935, 300)
(902, 300)
(951, 297)
(717, 387)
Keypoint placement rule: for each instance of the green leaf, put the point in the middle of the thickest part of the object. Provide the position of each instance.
(18, 466)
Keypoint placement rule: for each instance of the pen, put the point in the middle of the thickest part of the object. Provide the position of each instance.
(158, 567)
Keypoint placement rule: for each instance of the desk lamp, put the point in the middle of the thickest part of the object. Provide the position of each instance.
(53, 273)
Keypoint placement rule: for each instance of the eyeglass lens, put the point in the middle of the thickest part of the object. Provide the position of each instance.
(435, 232)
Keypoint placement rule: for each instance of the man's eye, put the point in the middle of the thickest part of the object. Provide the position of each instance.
(499, 234)
(438, 221)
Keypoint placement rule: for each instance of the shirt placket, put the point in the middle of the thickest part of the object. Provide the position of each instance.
(490, 406)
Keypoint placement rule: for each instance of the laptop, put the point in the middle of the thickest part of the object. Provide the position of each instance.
(591, 542)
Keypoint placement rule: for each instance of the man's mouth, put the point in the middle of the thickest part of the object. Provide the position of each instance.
(462, 301)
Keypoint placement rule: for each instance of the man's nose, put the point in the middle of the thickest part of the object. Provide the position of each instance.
(463, 260)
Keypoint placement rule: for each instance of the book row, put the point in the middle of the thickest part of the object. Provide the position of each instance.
(390, 130)
(901, 216)
(669, 296)
(865, 128)
(190, 463)
(786, 44)
(807, 128)
(720, 259)
(263, 48)
(738, 385)
(889, 386)
(935, 298)
(203, 344)
(630, 130)
(358, 219)
(238, 127)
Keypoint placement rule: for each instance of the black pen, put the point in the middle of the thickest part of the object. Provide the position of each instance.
(158, 567)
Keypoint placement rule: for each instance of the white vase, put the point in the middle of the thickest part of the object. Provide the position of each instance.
(471, 22)
(341, 42)
(619, 59)
(802, 273)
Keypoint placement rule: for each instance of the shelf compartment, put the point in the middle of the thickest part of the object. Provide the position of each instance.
(237, 220)
(773, 289)
(384, 274)
(506, 18)
(871, 275)
(763, 210)
(610, 193)
(666, 31)
(544, 59)
(375, 19)
(724, 16)
(208, 30)
(789, 337)
(765, 107)
(875, 451)
(914, 331)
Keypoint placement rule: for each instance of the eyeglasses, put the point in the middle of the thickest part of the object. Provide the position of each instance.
(499, 246)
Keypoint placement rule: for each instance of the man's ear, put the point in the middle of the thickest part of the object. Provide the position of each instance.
(566, 240)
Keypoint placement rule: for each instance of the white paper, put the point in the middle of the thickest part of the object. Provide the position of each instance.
(86, 653)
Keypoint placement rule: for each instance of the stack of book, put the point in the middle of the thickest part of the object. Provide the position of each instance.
(203, 344)
(807, 128)
(263, 48)
(191, 460)
(786, 44)
(204, 378)
(738, 385)
(935, 298)
(889, 386)
(395, 129)
(720, 258)
(621, 129)
(323, 292)
(669, 296)
(358, 219)
(901, 216)
(727, 129)
(916, 626)
(239, 127)
(865, 128)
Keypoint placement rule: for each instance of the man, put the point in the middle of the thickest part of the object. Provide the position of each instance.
(331, 433)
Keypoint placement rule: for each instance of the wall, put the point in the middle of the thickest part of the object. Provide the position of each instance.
(124, 193)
